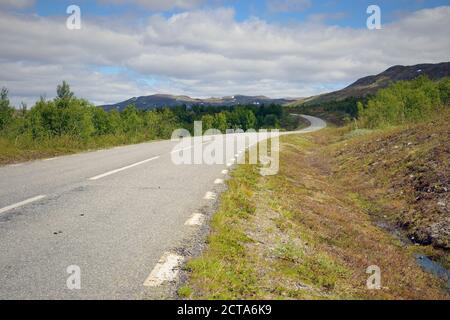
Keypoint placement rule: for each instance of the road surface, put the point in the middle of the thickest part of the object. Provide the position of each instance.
(114, 214)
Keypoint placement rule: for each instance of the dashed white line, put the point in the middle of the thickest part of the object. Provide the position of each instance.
(184, 149)
(218, 181)
(210, 196)
(196, 219)
(122, 169)
(166, 270)
(187, 148)
(22, 203)
(224, 171)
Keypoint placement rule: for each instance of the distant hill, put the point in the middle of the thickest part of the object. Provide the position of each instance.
(165, 100)
(371, 84)
(362, 87)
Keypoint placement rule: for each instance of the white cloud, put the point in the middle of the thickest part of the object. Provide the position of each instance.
(159, 5)
(27, 82)
(203, 53)
(19, 4)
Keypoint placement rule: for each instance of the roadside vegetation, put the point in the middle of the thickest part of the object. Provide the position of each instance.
(68, 124)
(311, 231)
(401, 103)
(405, 102)
(346, 198)
(335, 112)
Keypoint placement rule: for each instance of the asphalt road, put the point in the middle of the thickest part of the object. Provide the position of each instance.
(113, 213)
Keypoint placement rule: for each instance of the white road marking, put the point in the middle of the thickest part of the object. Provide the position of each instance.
(210, 196)
(22, 203)
(122, 169)
(196, 219)
(218, 181)
(187, 148)
(50, 159)
(165, 270)
(184, 149)
(229, 164)
(224, 171)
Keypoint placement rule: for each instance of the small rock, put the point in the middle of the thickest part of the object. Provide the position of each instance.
(441, 203)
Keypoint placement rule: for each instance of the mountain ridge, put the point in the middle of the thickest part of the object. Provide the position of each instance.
(166, 100)
(370, 85)
(362, 87)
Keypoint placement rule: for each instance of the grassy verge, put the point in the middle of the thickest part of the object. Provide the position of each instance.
(310, 232)
(403, 175)
(27, 149)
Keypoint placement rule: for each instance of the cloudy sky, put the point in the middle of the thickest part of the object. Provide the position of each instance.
(201, 48)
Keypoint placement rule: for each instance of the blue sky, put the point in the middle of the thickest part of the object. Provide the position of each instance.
(348, 13)
(278, 48)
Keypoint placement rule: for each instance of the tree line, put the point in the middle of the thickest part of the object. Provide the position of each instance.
(68, 120)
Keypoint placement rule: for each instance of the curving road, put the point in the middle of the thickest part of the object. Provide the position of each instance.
(113, 213)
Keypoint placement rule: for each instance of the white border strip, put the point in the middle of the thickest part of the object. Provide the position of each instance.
(165, 270)
(197, 219)
(210, 196)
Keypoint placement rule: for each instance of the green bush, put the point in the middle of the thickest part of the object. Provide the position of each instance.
(404, 102)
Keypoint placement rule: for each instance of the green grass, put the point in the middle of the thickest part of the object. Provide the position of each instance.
(224, 269)
(304, 233)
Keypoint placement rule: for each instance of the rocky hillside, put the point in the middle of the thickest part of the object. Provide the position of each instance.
(371, 84)
(403, 173)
